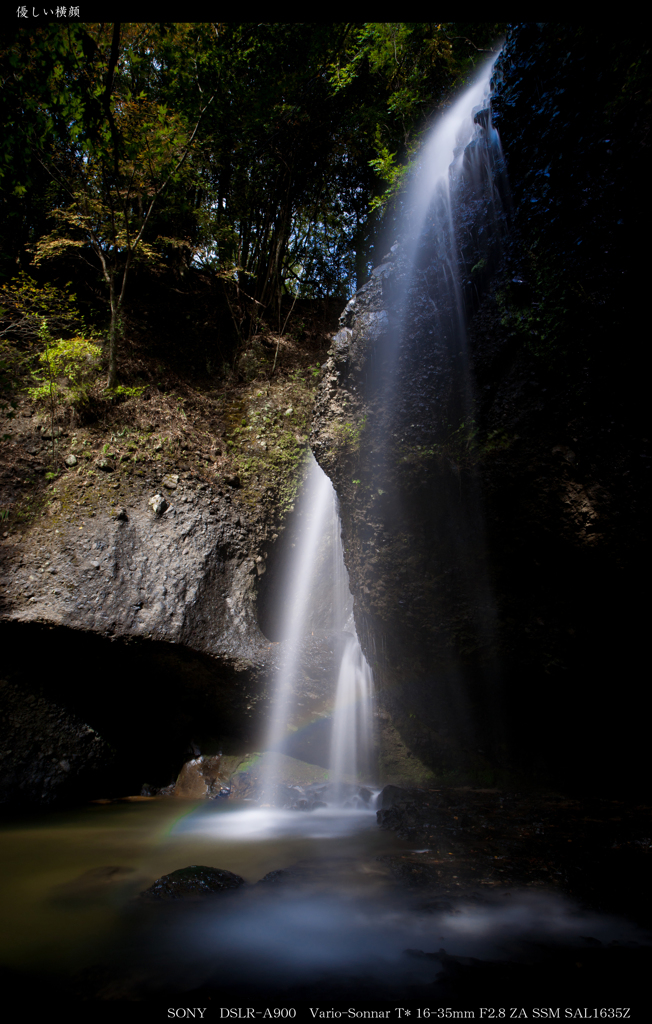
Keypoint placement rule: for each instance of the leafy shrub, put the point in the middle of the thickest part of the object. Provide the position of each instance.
(70, 369)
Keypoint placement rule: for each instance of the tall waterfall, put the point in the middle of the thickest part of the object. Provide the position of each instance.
(453, 212)
(320, 540)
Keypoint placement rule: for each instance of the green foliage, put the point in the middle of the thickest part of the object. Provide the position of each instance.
(26, 306)
(409, 70)
(24, 303)
(110, 149)
(122, 391)
(555, 310)
(389, 171)
(70, 371)
(463, 446)
(266, 446)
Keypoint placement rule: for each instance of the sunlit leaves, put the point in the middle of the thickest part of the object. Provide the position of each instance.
(25, 304)
(68, 373)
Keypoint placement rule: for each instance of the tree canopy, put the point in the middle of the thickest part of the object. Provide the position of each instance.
(268, 155)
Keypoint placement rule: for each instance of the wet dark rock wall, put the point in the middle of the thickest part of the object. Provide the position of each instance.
(496, 537)
(557, 346)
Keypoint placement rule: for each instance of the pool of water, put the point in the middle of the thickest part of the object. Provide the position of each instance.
(69, 886)
(66, 879)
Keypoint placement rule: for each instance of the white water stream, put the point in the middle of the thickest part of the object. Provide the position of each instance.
(351, 741)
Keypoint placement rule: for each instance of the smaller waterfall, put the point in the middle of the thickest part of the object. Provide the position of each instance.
(352, 731)
(351, 739)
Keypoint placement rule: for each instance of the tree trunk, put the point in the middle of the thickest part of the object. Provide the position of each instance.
(113, 336)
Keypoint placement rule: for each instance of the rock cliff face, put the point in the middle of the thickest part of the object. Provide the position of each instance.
(495, 537)
(188, 573)
(410, 510)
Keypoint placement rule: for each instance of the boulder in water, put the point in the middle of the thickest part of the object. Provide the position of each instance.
(206, 777)
(279, 877)
(191, 883)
